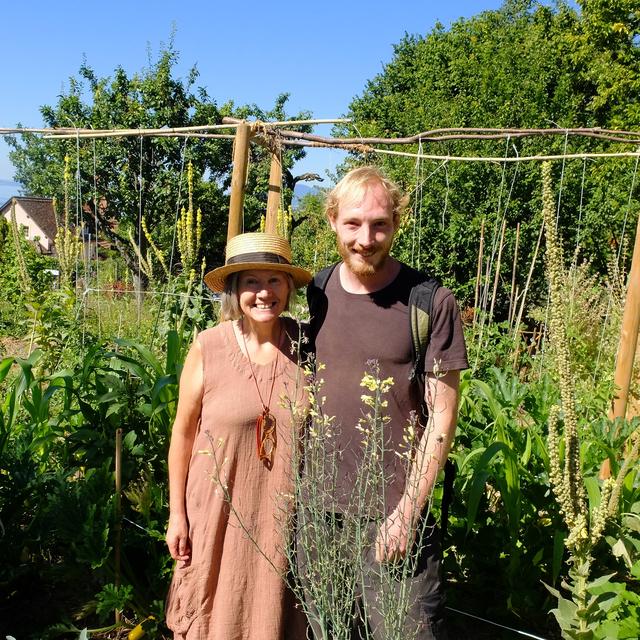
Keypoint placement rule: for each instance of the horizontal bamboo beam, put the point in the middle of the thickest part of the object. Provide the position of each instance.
(500, 159)
(434, 135)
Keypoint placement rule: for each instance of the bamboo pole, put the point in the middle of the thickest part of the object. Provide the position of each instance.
(238, 179)
(513, 274)
(498, 262)
(526, 286)
(275, 192)
(628, 333)
(628, 343)
(478, 273)
(118, 522)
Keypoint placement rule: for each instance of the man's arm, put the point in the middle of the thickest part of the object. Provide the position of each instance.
(396, 533)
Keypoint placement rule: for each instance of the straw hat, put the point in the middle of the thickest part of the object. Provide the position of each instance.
(256, 251)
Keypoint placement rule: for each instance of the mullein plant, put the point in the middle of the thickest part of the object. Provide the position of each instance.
(23, 273)
(68, 244)
(284, 223)
(580, 616)
(189, 230)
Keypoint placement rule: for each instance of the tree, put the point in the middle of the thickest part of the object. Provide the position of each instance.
(525, 65)
(122, 179)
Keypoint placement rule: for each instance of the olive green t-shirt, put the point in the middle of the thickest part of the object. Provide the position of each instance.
(361, 331)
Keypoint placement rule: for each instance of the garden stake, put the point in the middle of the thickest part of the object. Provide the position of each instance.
(274, 196)
(238, 179)
(118, 522)
(478, 273)
(497, 276)
(513, 295)
(628, 343)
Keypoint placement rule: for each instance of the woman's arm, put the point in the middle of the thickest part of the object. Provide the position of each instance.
(182, 436)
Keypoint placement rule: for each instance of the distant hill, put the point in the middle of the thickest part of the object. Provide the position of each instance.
(302, 189)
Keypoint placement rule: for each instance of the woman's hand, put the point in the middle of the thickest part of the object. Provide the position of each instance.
(178, 539)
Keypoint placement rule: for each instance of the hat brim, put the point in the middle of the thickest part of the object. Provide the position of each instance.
(215, 278)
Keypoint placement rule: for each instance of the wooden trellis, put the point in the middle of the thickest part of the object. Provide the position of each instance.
(275, 135)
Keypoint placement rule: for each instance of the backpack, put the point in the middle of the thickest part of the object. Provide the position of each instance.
(420, 311)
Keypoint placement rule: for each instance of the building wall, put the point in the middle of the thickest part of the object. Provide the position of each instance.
(32, 229)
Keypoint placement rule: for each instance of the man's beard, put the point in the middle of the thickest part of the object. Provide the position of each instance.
(364, 269)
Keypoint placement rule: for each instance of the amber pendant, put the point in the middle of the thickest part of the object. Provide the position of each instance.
(266, 437)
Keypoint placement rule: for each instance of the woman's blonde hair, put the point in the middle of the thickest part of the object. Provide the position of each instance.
(229, 305)
(354, 185)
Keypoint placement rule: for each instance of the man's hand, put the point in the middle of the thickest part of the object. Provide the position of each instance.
(178, 539)
(395, 538)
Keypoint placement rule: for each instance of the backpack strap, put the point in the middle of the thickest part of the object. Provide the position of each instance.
(420, 313)
(318, 304)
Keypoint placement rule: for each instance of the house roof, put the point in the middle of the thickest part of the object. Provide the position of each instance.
(40, 210)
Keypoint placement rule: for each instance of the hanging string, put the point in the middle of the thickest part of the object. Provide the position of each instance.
(494, 237)
(140, 231)
(564, 161)
(626, 213)
(419, 198)
(417, 202)
(580, 207)
(574, 263)
(96, 232)
(446, 194)
(173, 243)
(605, 322)
(495, 624)
(178, 203)
(78, 203)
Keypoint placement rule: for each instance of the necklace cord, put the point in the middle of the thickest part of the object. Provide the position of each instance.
(266, 437)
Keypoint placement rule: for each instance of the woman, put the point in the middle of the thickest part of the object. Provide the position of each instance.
(230, 454)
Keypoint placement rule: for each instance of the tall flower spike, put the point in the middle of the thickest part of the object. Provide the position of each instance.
(569, 488)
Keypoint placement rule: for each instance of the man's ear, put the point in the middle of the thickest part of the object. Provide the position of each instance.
(332, 222)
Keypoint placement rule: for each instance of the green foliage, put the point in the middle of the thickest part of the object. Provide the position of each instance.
(12, 294)
(124, 178)
(56, 451)
(526, 65)
(112, 598)
(313, 243)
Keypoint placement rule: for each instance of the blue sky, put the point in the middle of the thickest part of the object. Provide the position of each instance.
(321, 53)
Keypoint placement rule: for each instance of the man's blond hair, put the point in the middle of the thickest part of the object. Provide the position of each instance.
(354, 185)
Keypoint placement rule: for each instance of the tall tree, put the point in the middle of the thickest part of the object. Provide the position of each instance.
(123, 179)
(525, 65)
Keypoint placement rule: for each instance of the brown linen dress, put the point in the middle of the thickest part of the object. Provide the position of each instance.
(230, 591)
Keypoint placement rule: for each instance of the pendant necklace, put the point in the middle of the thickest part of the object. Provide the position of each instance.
(266, 437)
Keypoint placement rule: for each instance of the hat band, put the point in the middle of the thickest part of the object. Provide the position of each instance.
(258, 256)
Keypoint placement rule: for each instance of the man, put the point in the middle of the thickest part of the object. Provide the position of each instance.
(365, 316)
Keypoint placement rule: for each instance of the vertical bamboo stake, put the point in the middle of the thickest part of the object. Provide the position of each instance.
(628, 333)
(238, 179)
(513, 274)
(526, 286)
(628, 342)
(118, 522)
(478, 273)
(275, 191)
(495, 280)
